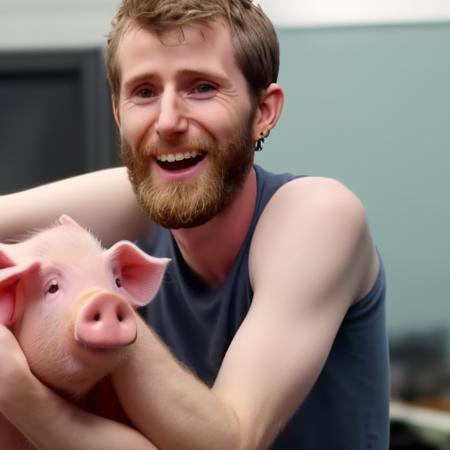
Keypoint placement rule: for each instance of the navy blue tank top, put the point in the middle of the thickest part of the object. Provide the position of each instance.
(347, 408)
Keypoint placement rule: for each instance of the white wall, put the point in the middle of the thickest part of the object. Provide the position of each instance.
(66, 23)
(354, 12)
(54, 23)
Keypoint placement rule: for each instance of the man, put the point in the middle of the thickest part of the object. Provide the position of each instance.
(273, 305)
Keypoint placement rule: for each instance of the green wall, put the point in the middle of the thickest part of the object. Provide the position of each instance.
(370, 106)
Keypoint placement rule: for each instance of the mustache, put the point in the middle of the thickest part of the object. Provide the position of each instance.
(155, 148)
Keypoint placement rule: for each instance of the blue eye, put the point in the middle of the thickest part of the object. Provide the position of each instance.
(204, 87)
(204, 90)
(145, 93)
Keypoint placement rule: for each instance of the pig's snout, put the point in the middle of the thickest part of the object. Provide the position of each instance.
(105, 321)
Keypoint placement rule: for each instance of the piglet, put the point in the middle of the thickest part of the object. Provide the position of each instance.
(70, 303)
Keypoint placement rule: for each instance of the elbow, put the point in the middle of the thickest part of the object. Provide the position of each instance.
(241, 436)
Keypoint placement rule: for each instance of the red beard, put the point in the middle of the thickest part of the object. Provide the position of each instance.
(185, 204)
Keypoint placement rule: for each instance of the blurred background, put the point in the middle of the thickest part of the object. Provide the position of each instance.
(367, 102)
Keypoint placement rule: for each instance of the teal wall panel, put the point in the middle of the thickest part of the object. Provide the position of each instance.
(370, 106)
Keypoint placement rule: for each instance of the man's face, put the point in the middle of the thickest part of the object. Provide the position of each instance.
(186, 122)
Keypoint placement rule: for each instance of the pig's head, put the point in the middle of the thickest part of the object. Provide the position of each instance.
(71, 303)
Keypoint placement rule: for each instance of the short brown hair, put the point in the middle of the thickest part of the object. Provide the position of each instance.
(253, 35)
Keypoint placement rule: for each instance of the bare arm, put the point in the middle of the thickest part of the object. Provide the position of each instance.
(102, 201)
(48, 421)
(300, 299)
(312, 257)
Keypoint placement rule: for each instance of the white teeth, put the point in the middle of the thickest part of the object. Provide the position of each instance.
(171, 157)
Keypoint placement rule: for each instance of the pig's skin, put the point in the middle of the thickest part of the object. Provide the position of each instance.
(44, 321)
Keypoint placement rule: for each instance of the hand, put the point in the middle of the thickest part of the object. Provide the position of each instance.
(15, 374)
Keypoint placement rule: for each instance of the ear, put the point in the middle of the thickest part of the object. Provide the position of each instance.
(268, 111)
(115, 109)
(11, 306)
(68, 221)
(141, 274)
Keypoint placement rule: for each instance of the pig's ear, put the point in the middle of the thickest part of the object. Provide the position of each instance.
(140, 274)
(11, 306)
(67, 220)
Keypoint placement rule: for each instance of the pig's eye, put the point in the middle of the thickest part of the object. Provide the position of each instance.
(53, 288)
(118, 282)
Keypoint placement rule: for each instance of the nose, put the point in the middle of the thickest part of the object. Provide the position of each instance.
(106, 321)
(171, 119)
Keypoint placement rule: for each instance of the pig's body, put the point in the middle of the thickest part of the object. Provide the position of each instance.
(70, 305)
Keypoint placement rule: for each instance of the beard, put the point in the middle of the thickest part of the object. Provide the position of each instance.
(190, 203)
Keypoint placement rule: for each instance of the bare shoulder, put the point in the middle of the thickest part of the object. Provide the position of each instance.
(316, 196)
(316, 202)
(319, 225)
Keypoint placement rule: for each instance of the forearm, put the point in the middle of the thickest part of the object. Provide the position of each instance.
(102, 201)
(52, 423)
(168, 404)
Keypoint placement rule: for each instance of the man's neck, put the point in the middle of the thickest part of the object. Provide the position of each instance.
(211, 249)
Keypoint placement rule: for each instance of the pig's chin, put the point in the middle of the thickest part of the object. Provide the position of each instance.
(73, 374)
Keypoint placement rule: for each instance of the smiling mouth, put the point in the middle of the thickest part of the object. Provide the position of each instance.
(179, 161)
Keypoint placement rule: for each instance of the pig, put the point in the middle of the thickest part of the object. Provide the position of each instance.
(70, 304)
